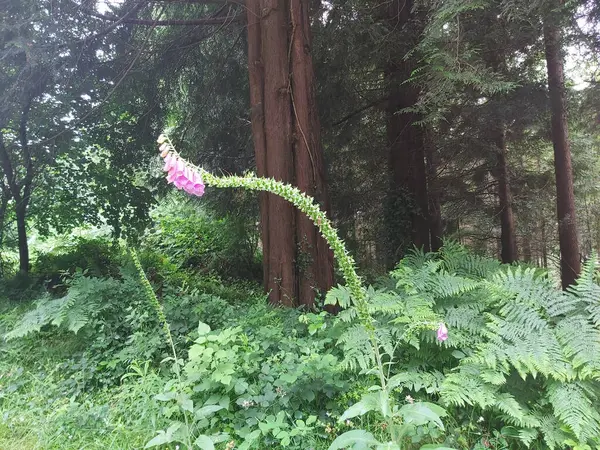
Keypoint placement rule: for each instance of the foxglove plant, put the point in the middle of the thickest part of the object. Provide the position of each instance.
(192, 179)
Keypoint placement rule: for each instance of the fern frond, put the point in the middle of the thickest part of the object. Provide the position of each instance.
(587, 291)
(581, 343)
(573, 406)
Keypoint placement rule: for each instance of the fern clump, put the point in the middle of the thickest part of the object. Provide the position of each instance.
(519, 348)
(86, 299)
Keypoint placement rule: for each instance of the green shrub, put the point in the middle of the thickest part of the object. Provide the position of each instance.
(96, 257)
(199, 241)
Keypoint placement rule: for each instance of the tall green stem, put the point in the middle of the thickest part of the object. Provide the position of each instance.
(309, 207)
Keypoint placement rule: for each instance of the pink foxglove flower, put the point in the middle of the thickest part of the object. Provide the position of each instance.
(179, 173)
(442, 332)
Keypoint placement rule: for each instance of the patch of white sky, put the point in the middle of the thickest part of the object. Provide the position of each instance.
(581, 66)
(106, 6)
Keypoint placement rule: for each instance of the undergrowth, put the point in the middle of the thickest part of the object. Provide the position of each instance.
(92, 369)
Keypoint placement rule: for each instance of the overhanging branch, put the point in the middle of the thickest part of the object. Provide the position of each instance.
(166, 22)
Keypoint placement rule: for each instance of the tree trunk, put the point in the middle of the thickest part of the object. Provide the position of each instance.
(406, 159)
(286, 135)
(565, 198)
(544, 246)
(3, 208)
(436, 226)
(527, 255)
(21, 215)
(405, 139)
(317, 270)
(20, 190)
(508, 237)
(256, 84)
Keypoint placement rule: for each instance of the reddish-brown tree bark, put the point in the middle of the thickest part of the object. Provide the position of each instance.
(316, 272)
(256, 83)
(565, 198)
(286, 134)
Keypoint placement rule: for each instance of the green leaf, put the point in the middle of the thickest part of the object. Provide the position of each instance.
(203, 329)
(207, 410)
(161, 439)
(388, 446)
(164, 437)
(204, 442)
(422, 413)
(355, 439)
(186, 404)
(165, 396)
(369, 402)
(436, 447)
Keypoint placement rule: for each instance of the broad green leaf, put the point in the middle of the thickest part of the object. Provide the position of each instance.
(164, 437)
(203, 329)
(369, 402)
(204, 443)
(207, 410)
(354, 439)
(187, 404)
(165, 396)
(422, 413)
(161, 439)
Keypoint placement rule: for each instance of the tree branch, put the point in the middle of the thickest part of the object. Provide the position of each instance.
(8, 169)
(358, 111)
(29, 169)
(166, 22)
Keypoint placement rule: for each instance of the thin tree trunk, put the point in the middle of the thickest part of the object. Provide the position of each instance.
(21, 216)
(20, 191)
(421, 231)
(527, 248)
(436, 226)
(3, 208)
(565, 198)
(507, 221)
(544, 246)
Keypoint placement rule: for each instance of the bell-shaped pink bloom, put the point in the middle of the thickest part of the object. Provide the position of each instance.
(181, 175)
(442, 332)
(169, 162)
(179, 167)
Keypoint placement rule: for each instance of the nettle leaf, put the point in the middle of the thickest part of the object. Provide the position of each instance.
(203, 329)
(204, 442)
(376, 401)
(165, 437)
(165, 396)
(369, 402)
(207, 410)
(354, 439)
(422, 413)
(186, 403)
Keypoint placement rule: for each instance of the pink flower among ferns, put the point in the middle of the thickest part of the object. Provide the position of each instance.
(442, 332)
(179, 173)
